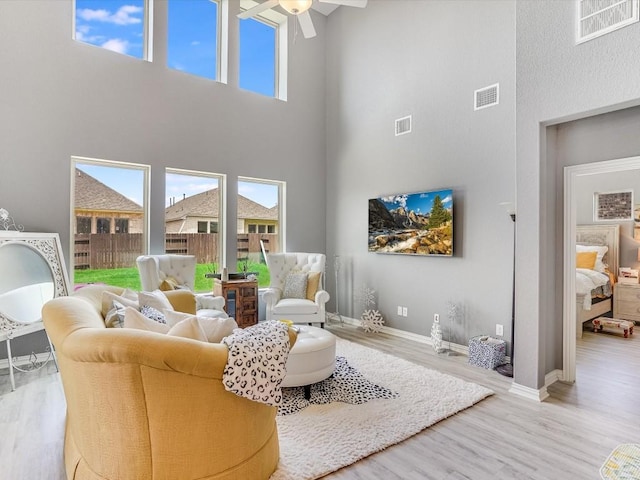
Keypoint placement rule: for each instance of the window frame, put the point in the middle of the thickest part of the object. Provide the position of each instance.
(146, 173)
(282, 210)
(281, 24)
(147, 31)
(222, 206)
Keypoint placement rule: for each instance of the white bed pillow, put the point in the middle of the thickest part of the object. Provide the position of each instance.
(600, 250)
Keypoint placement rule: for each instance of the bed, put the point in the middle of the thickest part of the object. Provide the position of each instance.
(594, 282)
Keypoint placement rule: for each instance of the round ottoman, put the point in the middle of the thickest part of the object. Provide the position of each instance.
(312, 358)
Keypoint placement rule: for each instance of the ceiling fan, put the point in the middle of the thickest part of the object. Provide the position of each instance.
(299, 8)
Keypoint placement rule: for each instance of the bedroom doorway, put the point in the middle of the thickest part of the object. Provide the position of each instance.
(571, 176)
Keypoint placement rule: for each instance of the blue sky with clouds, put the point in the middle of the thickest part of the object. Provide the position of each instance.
(118, 25)
(418, 202)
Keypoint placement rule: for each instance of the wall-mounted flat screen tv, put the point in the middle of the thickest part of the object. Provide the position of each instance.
(412, 223)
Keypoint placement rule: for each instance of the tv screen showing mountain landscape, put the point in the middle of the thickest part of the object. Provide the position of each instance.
(412, 223)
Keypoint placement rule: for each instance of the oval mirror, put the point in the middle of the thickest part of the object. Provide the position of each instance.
(28, 284)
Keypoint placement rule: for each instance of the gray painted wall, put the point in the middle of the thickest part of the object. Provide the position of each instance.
(61, 98)
(558, 81)
(427, 62)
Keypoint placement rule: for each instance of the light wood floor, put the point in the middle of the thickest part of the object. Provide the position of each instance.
(503, 437)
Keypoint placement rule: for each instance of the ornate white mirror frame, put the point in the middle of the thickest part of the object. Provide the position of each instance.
(33, 272)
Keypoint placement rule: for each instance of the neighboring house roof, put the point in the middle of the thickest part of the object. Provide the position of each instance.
(205, 203)
(91, 194)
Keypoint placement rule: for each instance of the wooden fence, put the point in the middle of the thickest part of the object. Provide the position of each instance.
(120, 250)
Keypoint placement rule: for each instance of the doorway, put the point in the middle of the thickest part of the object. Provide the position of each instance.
(571, 178)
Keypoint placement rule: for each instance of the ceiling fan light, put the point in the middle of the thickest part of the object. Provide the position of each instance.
(295, 7)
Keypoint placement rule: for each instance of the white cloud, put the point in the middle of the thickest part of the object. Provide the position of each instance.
(195, 43)
(116, 45)
(399, 199)
(447, 199)
(124, 15)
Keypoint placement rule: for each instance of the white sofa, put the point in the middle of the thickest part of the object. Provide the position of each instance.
(298, 310)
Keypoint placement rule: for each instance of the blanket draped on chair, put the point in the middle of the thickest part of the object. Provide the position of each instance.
(256, 362)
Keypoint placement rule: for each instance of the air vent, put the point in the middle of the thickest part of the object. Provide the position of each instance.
(403, 125)
(598, 17)
(486, 97)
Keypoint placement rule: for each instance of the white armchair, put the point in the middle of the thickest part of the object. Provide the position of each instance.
(170, 271)
(282, 302)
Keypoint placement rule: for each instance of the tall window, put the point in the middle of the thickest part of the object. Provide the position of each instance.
(118, 25)
(193, 37)
(258, 56)
(110, 219)
(260, 223)
(263, 52)
(194, 210)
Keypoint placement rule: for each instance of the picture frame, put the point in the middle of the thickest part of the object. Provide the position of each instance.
(613, 206)
(418, 223)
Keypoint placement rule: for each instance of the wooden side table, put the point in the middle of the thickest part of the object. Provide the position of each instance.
(241, 300)
(626, 301)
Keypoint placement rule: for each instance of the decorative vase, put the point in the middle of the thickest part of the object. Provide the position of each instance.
(436, 337)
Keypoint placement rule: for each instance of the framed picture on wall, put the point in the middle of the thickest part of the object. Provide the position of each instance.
(608, 206)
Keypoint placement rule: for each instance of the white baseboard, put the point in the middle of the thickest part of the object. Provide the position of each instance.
(537, 395)
(464, 349)
(552, 377)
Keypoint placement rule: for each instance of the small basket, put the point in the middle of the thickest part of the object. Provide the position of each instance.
(487, 352)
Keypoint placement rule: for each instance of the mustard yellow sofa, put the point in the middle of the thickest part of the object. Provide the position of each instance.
(147, 406)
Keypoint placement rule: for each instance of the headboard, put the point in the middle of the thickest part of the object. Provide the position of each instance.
(608, 235)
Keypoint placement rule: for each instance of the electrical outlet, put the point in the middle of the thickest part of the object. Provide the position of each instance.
(404, 311)
(436, 317)
(499, 330)
(399, 310)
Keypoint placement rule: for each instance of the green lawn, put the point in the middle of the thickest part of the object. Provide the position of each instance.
(128, 277)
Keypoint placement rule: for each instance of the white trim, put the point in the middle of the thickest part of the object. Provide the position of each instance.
(569, 253)
(147, 48)
(463, 349)
(146, 222)
(553, 377)
(539, 395)
(223, 41)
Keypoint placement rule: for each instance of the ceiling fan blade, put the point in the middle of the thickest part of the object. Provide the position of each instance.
(306, 25)
(252, 12)
(347, 3)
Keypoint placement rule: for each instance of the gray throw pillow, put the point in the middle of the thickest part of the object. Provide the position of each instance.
(295, 286)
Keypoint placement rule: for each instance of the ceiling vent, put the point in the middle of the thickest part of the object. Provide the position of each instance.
(486, 97)
(598, 17)
(403, 125)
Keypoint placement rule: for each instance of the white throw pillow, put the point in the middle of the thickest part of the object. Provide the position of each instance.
(156, 299)
(188, 328)
(215, 329)
(295, 286)
(128, 298)
(600, 250)
(134, 319)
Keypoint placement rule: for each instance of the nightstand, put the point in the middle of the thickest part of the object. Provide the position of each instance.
(241, 300)
(626, 301)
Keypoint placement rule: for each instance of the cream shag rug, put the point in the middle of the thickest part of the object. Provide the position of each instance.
(324, 438)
